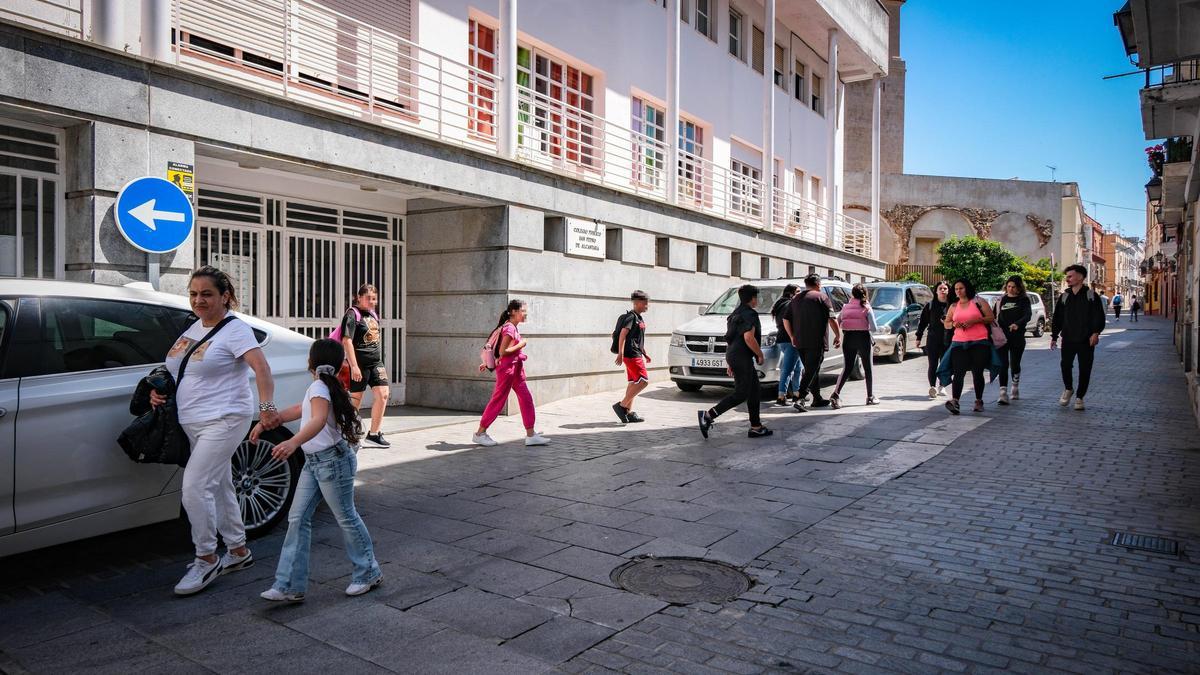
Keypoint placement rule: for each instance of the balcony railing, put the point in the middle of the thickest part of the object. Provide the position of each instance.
(1173, 73)
(306, 52)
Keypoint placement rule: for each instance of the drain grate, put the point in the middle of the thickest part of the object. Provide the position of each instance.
(682, 581)
(1142, 542)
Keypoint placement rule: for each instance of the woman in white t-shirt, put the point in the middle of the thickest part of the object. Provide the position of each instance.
(216, 406)
(329, 424)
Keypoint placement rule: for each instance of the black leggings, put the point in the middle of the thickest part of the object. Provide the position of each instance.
(856, 344)
(747, 387)
(933, 353)
(1010, 357)
(974, 359)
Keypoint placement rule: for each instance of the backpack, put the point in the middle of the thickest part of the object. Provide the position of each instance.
(336, 333)
(487, 353)
(1091, 295)
(616, 334)
(995, 333)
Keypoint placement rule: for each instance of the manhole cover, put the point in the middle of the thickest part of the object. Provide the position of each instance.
(681, 581)
(1142, 542)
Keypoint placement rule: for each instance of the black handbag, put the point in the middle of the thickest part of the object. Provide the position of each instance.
(156, 436)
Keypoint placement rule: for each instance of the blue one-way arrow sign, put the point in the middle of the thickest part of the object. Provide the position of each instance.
(154, 215)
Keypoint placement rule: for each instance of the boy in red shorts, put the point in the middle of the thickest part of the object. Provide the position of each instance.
(630, 347)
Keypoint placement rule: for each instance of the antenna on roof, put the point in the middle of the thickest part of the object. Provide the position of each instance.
(1052, 170)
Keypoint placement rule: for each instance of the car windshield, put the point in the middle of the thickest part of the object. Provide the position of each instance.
(767, 295)
(885, 298)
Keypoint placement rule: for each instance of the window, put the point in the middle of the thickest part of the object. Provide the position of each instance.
(756, 46)
(662, 251)
(790, 270)
(745, 188)
(560, 108)
(735, 264)
(735, 33)
(815, 195)
(70, 335)
(798, 87)
(691, 163)
(481, 87)
(764, 268)
(817, 90)
(704, 20)
(780, 67)
(701, 258)
(649, 127)
(29, 212)
(837, 295)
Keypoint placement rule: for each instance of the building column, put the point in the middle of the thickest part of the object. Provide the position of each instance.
(156, 30)
(768, 140)
(672, 130)
(831, 129)
(876, 110)
(508, 79)
(108, 19)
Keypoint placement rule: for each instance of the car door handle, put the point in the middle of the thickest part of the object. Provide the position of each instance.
(3, 412)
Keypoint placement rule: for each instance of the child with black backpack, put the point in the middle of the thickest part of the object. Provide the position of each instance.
(629, 344)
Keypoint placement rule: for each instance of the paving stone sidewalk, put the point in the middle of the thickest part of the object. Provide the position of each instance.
(886, 539)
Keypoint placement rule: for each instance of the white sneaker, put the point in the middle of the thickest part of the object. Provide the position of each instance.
(1016, 392)
(1066, 396)
(483, 439)
(933, 392)
(276, 595)
(359, 589)
(1079, 404)
(941, 390)
(1003, 400)
(200, 574)
(536, 439)
(235, 563)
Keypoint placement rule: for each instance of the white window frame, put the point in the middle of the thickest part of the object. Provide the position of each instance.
(799, 80)
(709, 16)
(59, 225)
(817, 87)
(745, 188)
(737, 26)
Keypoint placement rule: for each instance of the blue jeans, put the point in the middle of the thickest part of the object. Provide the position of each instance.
(791, 368)
(329, 474)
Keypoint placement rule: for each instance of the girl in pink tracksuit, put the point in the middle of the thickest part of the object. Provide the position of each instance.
(858, 322)
(509, 350)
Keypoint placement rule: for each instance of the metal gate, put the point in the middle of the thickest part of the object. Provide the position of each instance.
(297, 263)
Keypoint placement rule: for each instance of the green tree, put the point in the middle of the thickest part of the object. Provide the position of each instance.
(986, 264)
(912, 276)
(1036, 274)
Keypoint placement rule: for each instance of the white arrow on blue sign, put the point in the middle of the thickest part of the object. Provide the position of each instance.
(154, 214)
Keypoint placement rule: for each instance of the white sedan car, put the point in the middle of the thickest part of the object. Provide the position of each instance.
(71, 355)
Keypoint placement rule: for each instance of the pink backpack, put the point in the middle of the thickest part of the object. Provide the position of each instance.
(487, 353)
(336, 334)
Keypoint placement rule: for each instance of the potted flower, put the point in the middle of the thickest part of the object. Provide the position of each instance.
(1155, 156)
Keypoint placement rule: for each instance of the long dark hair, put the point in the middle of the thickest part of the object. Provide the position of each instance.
(513, 306)
(859, 292)
(789, 292)
(221, 280)
(968, 289)
(1020, 283)
(325, 358)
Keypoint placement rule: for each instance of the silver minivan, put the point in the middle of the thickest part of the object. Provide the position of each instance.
(697, 353)
(71, 355)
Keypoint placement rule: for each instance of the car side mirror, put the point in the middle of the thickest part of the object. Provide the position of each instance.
(700, 311)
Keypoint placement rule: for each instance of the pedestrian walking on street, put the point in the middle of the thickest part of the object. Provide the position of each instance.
(857, 321)
(1013, 312)
(629, 344)
(743, 339)
(1117, 302)
(362, 339)
(1079, 320)
(971, 347)
(790, 367)
(329, 428)
(1135, 308)
(215, 406)
(509, 352)
(808, 317)
(932, 316)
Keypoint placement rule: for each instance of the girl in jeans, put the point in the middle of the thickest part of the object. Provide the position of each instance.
(329, 425)
(510, 377)
(791, 369)
(858, 322)
(215, 405)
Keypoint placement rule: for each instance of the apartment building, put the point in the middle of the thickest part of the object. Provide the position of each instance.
(1122, 257)
(453, 154)
(1163, 39)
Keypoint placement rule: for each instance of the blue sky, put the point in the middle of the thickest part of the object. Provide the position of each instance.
(1001, 89)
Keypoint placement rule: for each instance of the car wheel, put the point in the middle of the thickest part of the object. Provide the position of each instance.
(1040, 330)
(857, 373)
(901, 349)
(688, 387)
(264, 485)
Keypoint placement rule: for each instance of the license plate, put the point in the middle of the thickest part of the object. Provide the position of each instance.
(708, 363)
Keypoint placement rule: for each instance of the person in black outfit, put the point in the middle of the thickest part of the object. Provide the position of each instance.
(1079, 319)
(789, 361)
(1013, 312)
(932, 315)
(1135, 308)
(742, 352)
(805, 322)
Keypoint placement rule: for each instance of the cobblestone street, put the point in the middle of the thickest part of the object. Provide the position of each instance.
(884, 539)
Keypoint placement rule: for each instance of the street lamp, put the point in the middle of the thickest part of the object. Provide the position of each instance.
(1154, 189)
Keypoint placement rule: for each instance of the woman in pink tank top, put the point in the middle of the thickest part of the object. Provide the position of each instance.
(971, 348)
(858, 322)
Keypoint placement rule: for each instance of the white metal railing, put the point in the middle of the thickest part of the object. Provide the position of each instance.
(64, 17)
(307, 52)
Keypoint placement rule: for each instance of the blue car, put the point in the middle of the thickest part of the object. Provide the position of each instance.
(897, 306)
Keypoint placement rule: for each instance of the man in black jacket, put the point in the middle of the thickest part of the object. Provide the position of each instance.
(1079, 319)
